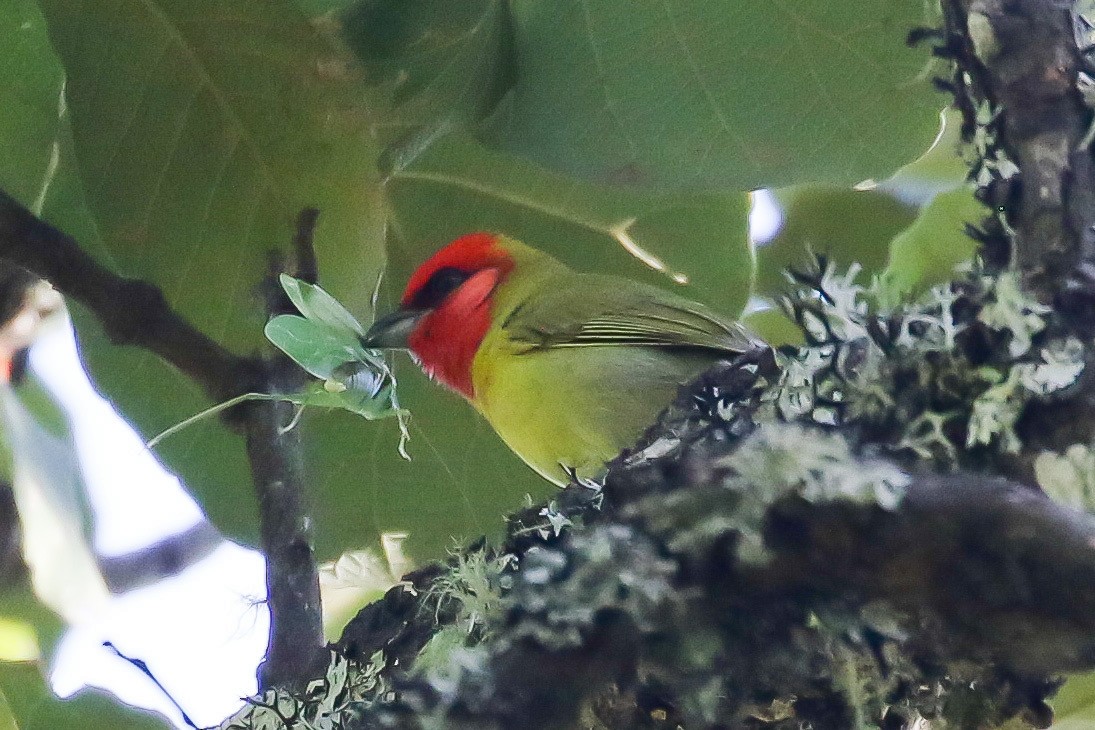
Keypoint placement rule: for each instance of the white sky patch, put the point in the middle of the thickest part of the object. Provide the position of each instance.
(765, 217)
(201, 632)
(135, 501)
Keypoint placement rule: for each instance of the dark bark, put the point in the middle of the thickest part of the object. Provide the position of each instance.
(295, 652)
(134, 312)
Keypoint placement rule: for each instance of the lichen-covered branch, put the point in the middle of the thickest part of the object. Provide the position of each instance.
(1020, 69)
(755, 576)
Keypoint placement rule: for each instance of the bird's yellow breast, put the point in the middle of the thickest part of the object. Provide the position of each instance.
(575, 407)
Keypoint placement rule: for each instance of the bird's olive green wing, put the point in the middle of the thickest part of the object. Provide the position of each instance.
(594, 311)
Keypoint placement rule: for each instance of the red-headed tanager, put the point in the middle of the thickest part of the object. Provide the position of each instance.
(569, 368)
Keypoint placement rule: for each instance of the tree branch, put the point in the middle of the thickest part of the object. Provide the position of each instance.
(134, 312)
(1019, 61)
(654, 609)
(296, 650)
(1020, 57)
(162, 559)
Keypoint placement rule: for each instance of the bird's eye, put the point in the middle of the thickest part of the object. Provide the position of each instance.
(441, 283)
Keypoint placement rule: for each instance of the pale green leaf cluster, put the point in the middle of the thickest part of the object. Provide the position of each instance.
(325, 340)
(1068, 478)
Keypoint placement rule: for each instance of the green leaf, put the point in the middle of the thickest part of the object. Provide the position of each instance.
(1074, 705)
(696, 243)
(35, 707)
(927, 252)
(774, 327)
(690, 93)
(7, 717)
(437, 64)
(844, 224)
(317, 348)
(199, 130)
(316, 304)
(313, 8)
(939, 170)
(326, 342)
(30, 95)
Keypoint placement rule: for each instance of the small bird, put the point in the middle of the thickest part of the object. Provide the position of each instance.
(568, 368)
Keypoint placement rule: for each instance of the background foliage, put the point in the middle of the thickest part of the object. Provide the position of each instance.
(178, 139)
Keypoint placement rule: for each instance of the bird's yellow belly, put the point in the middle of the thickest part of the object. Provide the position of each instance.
(577, 407)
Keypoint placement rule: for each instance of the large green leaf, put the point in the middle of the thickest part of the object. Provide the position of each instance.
(7, 717)
(697, 243)
(460, 479)
(200, 129)
(927, 252)
(941, 169)
(843, 224)
(30, 95)
(734, 94)
(437, 64)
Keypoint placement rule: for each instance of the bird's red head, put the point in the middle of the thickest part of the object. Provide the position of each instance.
(454, 288)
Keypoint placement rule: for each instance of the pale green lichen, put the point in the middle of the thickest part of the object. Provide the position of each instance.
(926, 437)
(795, 393)
(996, 411)
(845, 301)
(938, 330)
(916, 379)
(473, 584)
(556, 519)
(819, 466)
(1012, 310)
(329, 703)
(1068, 478)
(1062, 363)
(782, 459)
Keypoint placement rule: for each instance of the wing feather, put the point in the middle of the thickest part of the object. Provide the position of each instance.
(599, 311)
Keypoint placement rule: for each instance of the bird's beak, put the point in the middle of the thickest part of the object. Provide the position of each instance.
(391, 331)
